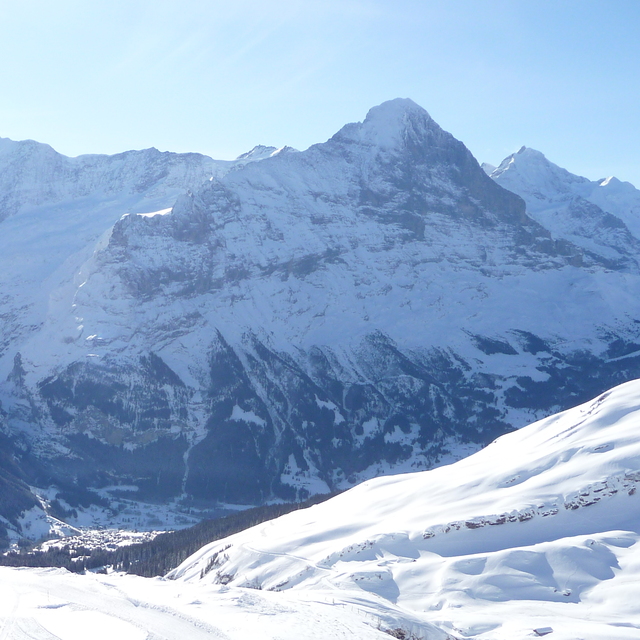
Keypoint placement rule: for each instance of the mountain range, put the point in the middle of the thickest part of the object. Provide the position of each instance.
(201, 333)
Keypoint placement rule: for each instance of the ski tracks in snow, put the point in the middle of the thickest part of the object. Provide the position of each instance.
(53, 605)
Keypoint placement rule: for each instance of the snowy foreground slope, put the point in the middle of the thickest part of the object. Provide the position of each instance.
(537, 534)
(538, 529)
(53, 604)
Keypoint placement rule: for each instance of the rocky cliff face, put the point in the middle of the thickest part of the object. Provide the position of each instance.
(376, 303)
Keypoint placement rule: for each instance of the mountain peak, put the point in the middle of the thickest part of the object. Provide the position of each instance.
(611, 180)
(386, 124)
(394, 110)
(523, 155)
(258, 152)
(531, 167)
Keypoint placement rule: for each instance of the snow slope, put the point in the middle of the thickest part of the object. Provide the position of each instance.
(539, 529)
(50, 604)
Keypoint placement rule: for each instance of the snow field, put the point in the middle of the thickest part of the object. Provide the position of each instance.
(539, 529)
(47, 604)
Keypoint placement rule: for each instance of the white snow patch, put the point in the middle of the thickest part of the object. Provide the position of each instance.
(240, 414)
(370, 428)
(338, 417)
(162, 212)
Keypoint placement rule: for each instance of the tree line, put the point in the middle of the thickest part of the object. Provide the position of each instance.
(153, 557)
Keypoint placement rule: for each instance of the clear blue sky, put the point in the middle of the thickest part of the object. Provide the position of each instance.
(218, 77)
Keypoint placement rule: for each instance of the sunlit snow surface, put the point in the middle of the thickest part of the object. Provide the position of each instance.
(46, 604)
(538, 531)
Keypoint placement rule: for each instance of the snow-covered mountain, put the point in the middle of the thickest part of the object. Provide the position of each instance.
(375, 303)
(602, 217)
(54, 211)
(538, 534)
(540, 530)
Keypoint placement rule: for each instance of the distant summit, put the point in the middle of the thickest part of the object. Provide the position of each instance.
(601, 216)
(387, 125)
(258, 152)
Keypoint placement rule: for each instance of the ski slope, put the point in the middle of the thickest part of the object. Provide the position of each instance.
(539, 529)
(45, 604)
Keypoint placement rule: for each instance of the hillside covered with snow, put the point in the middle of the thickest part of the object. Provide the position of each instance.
(539, 529)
